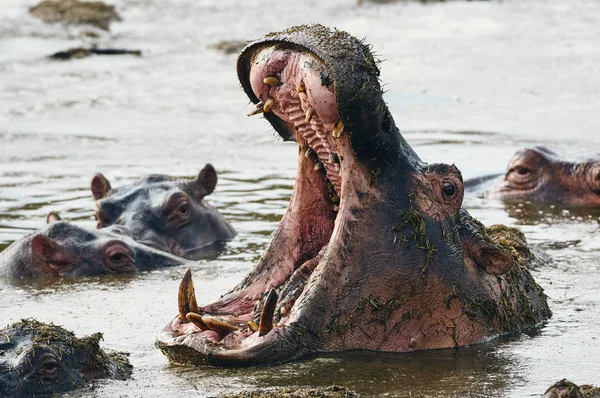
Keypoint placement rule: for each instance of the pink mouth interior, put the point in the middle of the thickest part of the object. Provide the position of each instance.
(296, 82)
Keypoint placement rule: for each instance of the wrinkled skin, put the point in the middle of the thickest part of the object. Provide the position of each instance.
(374, 251)
(37, 359)
(64, 249)
(166, 213)
(539, 175)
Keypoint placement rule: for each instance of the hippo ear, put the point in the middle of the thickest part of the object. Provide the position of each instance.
(488, 257)
(53, 217)
(47, 250)
(206, 181)
(100, 186)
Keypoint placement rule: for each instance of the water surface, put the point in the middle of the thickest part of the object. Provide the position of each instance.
(468, 83)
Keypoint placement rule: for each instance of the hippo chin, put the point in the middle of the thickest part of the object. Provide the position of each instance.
(166, 213)
(65, 249)
(37, 359)
(540, 175)
(374, 251)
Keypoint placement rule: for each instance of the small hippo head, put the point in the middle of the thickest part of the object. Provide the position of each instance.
(374, 251)
(65, 249)
(166, 213)
(540, 175)
(37, 359)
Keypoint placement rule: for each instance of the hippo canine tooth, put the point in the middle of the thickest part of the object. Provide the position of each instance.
(338, 129)
(271, 81)
(308, 152)
(268, 104)
(196, 319)
(301, 88)
(186, 298)
(318, 166)
(266, 316)
(218, 326)
(259, 109)
(310, 112)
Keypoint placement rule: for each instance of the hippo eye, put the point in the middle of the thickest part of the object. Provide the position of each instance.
(184, 209)
(522, 170)
(448, 189)
(117, 257)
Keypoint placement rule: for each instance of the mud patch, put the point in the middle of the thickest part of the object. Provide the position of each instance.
(229, 46)
(75, 12)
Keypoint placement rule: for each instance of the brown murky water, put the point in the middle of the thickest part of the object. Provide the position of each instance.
(469, 82)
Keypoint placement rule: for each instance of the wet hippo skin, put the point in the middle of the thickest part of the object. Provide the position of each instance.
(40, 360)
(540, 175)
(166, 213)
(374, 251)
(65, 249)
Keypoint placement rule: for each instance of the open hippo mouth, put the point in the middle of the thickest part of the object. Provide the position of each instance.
(341, 271)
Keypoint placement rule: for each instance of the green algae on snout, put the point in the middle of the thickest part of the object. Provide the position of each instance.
(514, 310)
(75, 12)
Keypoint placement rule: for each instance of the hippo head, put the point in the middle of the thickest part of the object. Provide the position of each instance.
(374, 251)
(539, 174)
(166, 213)
(38, 359)
(65, 249)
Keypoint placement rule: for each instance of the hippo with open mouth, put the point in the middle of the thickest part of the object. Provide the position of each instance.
(540, 175)
(65, 249)
(374, 251)
(166, 213)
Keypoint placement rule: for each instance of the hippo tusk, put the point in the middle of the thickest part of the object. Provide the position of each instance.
(338, 129)
(301, 88)
(310, 112)
(196, 319)
(271, 81)
(186, 298)
(218, 326)
(252, 326)
(259, 109)
(309, 152)
(266, 315)
(268, 104)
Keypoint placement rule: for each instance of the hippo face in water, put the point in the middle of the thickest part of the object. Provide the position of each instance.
(539, 174)
(166, 213)
(374, 251)
(38, 359)
(65, 249)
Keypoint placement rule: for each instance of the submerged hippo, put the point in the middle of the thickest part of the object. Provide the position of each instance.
(374, 251)
(65, 249)
(540, 175)
(166, 213)
(567, 389)
(37, 359)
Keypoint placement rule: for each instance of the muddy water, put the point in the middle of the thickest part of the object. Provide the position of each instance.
(468, 82)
